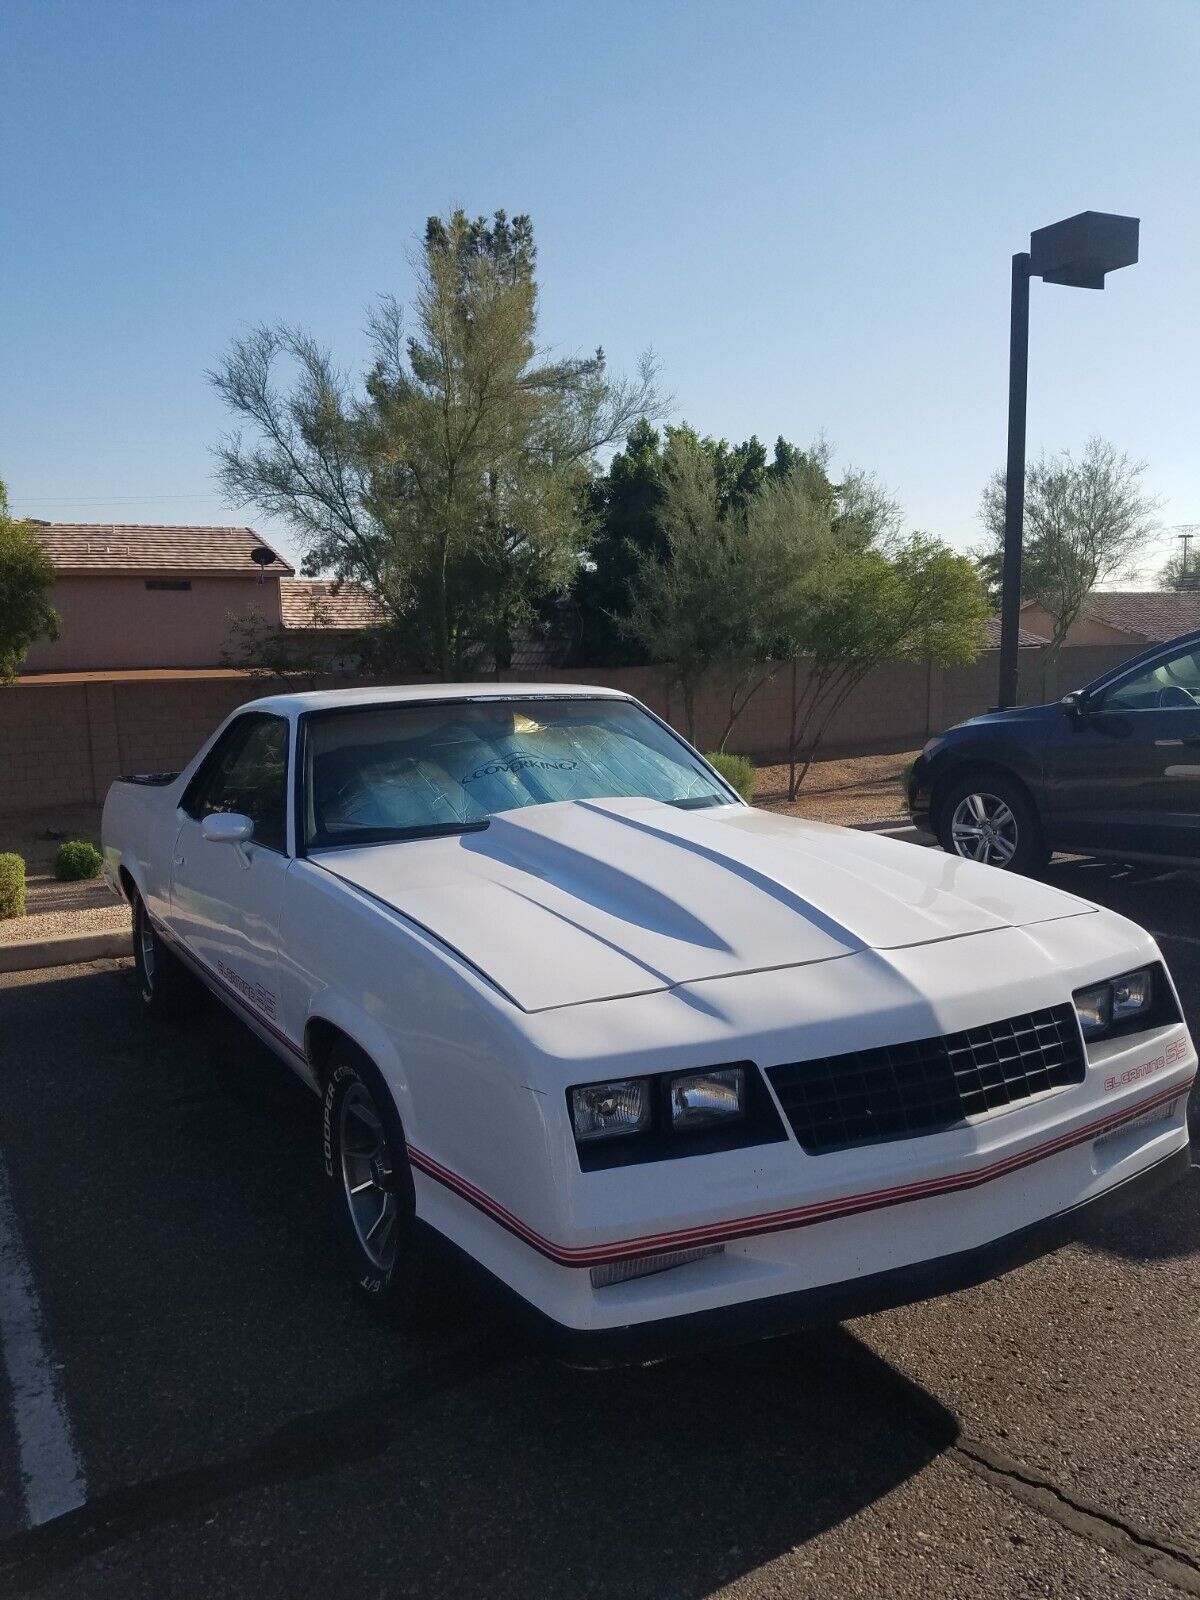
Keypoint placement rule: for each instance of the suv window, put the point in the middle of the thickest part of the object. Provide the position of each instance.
(1170, 682)
(247, 773)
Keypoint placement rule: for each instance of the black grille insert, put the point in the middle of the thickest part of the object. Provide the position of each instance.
(928, 1085)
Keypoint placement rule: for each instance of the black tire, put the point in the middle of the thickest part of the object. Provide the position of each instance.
(167, 988)
(1008, 833)
(392, 1272)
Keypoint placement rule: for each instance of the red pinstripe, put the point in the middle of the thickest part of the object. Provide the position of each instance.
(792, 1217)
(741, 1227)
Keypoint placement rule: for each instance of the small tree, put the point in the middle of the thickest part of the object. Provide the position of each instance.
(1086, 520)
(451, 488)
(624, 527)
(718, 601)
(26, 573)
(920, 603)
(680, 605)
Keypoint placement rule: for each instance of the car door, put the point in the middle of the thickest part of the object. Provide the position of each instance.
(225, 898)
(1125, 774)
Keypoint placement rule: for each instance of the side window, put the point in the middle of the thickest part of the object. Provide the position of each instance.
(247, 773)
(1173, 681)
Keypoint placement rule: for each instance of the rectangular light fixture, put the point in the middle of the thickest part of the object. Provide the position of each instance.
(622, 1271)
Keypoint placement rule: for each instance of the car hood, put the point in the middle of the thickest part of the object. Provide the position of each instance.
(1052, 711)
(591, 900)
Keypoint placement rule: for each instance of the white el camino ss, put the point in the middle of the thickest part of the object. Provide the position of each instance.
(672, 1070)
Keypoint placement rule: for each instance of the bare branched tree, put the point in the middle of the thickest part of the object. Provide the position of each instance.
(1087, 520)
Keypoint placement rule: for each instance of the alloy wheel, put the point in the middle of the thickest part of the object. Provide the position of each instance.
(983, 828)
(367, 1177)
(146, 949)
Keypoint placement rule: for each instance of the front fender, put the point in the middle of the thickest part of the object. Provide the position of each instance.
(333, 1008)
(1014, 760)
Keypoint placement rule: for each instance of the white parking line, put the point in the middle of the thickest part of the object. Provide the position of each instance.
(1183, 938)
(52, 1473)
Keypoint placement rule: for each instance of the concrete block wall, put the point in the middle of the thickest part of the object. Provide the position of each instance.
(64, 743)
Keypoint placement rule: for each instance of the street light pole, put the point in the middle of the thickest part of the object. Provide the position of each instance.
(1014, 483)
(1078, 251)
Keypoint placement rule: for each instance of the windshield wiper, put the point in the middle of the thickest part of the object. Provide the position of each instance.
(699, 802)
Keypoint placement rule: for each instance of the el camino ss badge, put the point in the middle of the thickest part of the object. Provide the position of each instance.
(1146, 1069)
(254, 993)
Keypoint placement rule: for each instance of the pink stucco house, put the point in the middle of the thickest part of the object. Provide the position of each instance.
(132, 596)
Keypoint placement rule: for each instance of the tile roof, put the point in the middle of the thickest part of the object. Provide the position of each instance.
(317, 603)
(1153, 614)
(991, 633)
(106, 547)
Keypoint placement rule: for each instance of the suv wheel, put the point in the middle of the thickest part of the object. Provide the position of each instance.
(989, 818)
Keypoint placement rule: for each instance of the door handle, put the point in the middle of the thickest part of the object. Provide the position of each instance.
(178, 861)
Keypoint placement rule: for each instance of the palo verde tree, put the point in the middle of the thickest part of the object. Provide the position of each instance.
(679, 612)
(1087, 519)
(915, 600)
(26, 573)
(719, 603)
(450, 484)
(746, 582)
(625, 527)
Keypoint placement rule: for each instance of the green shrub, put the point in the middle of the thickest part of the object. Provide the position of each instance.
(12, 887)
(77, 859)
(735, 770)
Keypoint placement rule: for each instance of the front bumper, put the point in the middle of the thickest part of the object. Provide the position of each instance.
(832, 1303)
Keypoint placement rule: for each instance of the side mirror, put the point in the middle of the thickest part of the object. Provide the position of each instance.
(1076, 704)
(227, 827)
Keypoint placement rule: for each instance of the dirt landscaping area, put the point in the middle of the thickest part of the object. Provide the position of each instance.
(850, 791)
(54, 909)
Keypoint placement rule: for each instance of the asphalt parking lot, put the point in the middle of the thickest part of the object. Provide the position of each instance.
(237, 1424)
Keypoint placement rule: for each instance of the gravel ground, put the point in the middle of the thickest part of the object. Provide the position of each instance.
(36, 835)
(53, 910)
(857, 789)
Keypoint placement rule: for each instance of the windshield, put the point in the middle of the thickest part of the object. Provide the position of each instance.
(393, 771)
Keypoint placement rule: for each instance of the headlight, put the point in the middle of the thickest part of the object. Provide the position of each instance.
(661, 1117)
(1132, 994)
(1095, 1009)
(705, 1097)
(1123, 1005)
(601, 1110)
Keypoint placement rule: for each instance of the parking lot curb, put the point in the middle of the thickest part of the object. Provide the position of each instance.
(66, 951)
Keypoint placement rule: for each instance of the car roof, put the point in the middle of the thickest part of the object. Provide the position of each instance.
(295, 705)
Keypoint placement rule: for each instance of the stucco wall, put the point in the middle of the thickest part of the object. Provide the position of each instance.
(64, 743)
(116, 623)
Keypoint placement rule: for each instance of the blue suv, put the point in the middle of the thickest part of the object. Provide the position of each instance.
(1111, 770)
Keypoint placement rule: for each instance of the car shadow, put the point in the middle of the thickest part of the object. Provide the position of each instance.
(672, 1478)
(211, 1351)
(1167, 1229)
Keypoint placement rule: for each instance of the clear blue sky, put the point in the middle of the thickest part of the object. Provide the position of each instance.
(807, 209)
